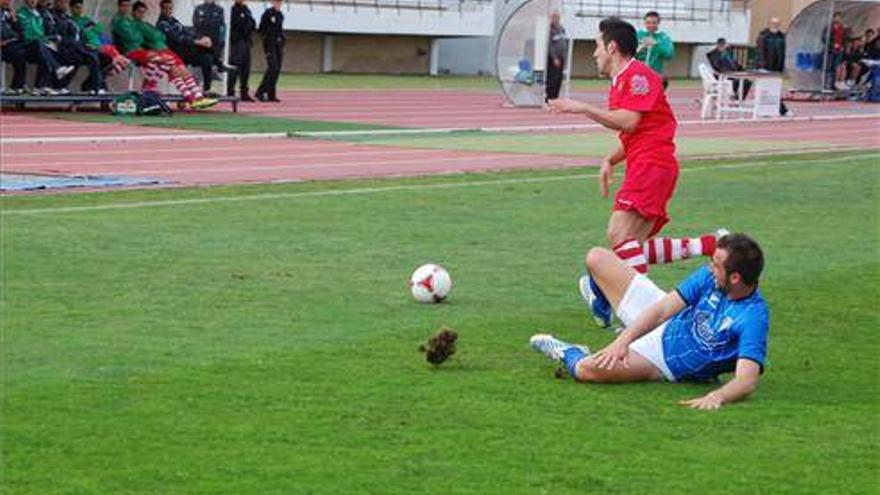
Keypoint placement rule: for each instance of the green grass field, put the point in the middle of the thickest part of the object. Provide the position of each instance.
(594, 144)
(219, 122)
(259, 339)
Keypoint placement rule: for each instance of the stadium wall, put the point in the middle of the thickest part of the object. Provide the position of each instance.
(302, 53)
(583, 64)
(351, 53)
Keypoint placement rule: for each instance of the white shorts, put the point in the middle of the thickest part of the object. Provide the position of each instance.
(641, 294)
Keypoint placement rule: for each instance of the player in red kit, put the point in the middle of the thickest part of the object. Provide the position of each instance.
(639, 111)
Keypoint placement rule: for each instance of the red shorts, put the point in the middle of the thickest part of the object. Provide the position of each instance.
(647, 189)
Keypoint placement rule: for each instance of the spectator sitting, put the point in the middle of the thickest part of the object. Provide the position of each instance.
(38, 49)
(722, 61)
(192, 49)
(853, 56)
(872, 45)
(112, 61)
(145, 45)
(208, 20)
(73, 50)
(12, 47)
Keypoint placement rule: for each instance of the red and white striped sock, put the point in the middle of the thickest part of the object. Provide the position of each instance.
(667, 250)
(631, 253)
(183, 88)
(193, 86)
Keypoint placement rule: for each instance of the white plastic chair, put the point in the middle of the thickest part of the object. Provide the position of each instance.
(713, 92)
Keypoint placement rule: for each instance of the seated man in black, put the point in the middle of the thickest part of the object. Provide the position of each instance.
(192, 49)
(72, 49)
(722, 60)
(12, 47)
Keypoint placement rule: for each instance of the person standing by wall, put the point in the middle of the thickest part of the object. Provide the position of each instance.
(771, 47)
(242, 25)
(771, 52)
(272, 31)
(835, 37)
(655, 46)
(556, 56)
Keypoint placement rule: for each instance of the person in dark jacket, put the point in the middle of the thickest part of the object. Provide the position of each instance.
(192, 48)
(208, 21)
(272, 31)
(556, 56)
(771, 52)
(12, 47)
(722, 60)
(72, 50)
(872, 44)
(242, 27)
(771, 47)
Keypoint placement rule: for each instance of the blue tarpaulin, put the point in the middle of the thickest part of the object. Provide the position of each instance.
(29, 182)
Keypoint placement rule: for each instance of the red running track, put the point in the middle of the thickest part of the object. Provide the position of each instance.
(23, 125)
(219, 161)
(471, 109)
(259, 160)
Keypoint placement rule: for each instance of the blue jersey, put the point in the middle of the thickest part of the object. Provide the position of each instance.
(706, 338)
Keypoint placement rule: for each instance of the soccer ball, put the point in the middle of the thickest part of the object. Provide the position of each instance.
(430, 283)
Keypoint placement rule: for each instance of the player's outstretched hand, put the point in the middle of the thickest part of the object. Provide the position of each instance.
(708, 402)
(606, 176)
(563, 105)
(613, 355)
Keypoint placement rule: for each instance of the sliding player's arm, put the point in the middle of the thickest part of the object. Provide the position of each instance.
(617, 353)
(616, 120)
(744, 382)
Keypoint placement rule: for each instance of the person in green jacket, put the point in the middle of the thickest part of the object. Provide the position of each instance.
(39, 49)
(94, 37)
(144, 44)
(655, 46)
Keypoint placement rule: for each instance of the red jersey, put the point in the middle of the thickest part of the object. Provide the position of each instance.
(639, 89)
(838, 34)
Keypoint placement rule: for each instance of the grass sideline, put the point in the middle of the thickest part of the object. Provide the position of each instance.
(570, 143)
(219, 122)
(271, 347)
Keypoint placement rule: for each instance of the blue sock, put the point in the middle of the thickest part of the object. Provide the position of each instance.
(600, 296)
(571, 357)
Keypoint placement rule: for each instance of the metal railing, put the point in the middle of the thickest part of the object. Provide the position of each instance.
(676, 10)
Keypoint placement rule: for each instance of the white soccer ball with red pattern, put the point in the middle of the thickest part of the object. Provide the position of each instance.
(430, 283)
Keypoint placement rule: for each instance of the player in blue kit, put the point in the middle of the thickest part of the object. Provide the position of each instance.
(714, 322)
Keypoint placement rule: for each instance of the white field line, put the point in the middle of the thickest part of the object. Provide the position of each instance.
(414, 187)
(141, 137)
(296, 165)
(291, 153)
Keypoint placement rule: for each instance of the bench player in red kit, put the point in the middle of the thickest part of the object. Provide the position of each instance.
(639, 111)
